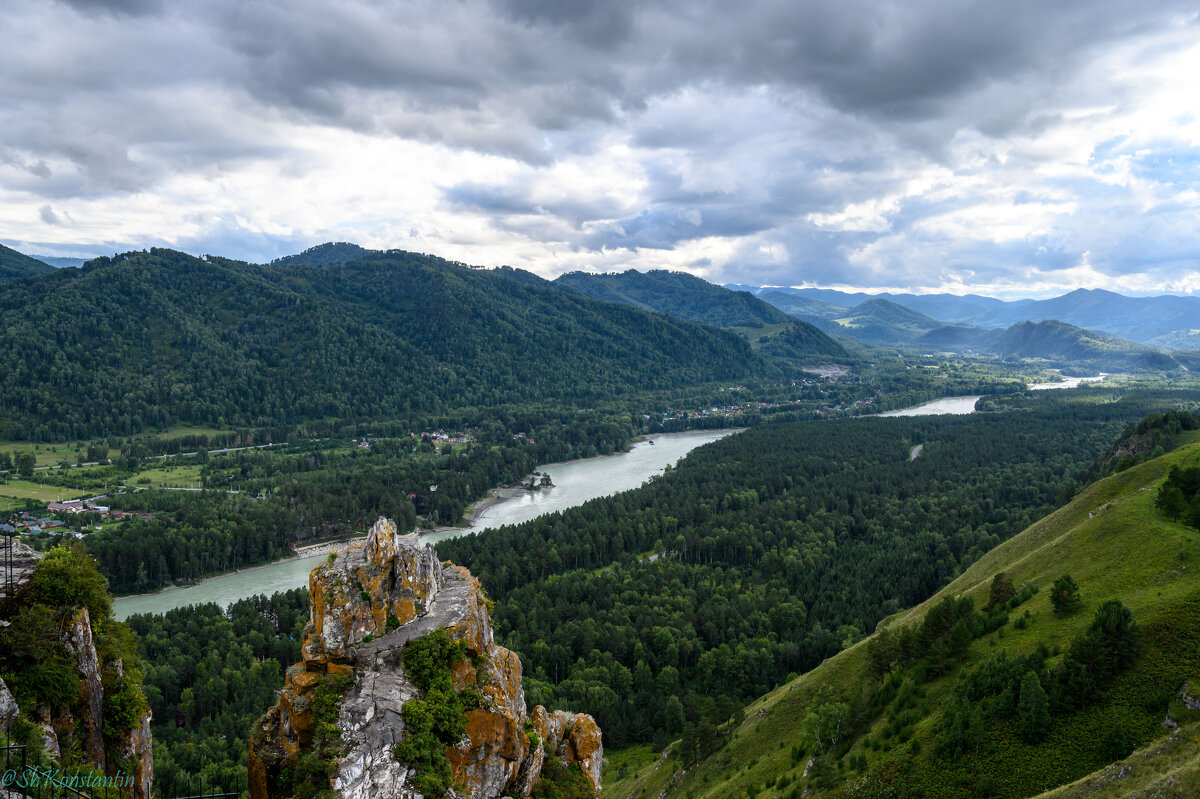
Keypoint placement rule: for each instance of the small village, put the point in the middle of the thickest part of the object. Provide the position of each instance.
(75, 518)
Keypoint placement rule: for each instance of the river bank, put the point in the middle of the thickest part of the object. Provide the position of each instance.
(580, 480)
(576, 482)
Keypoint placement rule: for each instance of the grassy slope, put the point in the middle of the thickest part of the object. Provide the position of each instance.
(1114, 544)
(1168, 768)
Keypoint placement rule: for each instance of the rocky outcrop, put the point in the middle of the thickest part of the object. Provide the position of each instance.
(137, 748)
(367, 603)
(82, 649)
(24, 560)
(8, 707)
(80, 726)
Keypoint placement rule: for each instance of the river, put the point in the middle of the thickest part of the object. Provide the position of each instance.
(1066, 382)
(938, 407)
(575, 482)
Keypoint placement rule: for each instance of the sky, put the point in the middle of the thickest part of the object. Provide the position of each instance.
(1012, 149)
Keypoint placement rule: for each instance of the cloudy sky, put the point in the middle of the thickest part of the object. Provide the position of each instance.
(1012, 148)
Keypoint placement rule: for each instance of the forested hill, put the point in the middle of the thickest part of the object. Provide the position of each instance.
(762, 554)
(15, 265)
(1059, 341)
(159, 337)
(327, 254)
(677, 294)
(881, 322)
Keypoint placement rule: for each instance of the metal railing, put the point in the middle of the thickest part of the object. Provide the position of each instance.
(185, 786)
(22, 778)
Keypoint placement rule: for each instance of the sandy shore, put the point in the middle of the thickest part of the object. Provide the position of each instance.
(472, 512)
(313, 550)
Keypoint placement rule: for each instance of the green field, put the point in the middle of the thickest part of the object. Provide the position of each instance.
(169, 476)
(53, 454)
(753, 334)
(15, 492)
(47, 454)
(179, 431)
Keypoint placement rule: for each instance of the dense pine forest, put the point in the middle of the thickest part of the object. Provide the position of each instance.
(764, 553)
(208, 674)
(396, 335)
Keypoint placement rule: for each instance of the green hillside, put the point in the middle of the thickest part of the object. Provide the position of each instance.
(150, 339)
(798, 305)
(676, 294)
(15, 265)
(1057, 341)
(881, 322)
(948, 719)
(801, 343)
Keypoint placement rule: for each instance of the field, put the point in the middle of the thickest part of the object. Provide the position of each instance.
(15, 492)
(754, 334)
(47, 454)
(53, 454)
(168, 476)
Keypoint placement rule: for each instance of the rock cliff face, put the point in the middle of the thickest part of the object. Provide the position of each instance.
(366, 605)
(82, 723)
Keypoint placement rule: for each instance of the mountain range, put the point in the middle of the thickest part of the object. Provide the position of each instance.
(160, 337)
(1168, 321)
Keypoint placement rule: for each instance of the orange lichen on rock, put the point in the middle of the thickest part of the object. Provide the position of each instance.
(475, 625)
(585, 748)
(353, 594)
(488, 760)
(352, 598)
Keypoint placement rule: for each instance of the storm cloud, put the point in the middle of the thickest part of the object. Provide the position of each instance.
(936, 144)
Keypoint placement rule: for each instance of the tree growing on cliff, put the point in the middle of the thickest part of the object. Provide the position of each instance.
(436, 719)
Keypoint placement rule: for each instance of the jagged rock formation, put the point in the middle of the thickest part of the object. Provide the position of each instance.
(24, 559)
(81, 724)
(8, 707)
(366, 605)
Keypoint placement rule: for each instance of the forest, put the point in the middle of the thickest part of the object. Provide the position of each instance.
(395, 336)
(764, 553)
(208, 674)
(315, 480)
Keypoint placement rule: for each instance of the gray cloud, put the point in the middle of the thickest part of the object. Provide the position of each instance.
(757, 123)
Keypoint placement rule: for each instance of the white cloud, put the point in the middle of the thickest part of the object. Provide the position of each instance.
(959, 146)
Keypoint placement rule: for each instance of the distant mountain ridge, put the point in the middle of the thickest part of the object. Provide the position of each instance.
(677, 294)
(59, 261)
(880, 322)
(790, 341)
(1160, 320)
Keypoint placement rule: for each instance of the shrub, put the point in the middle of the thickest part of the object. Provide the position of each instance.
(1116, 744)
